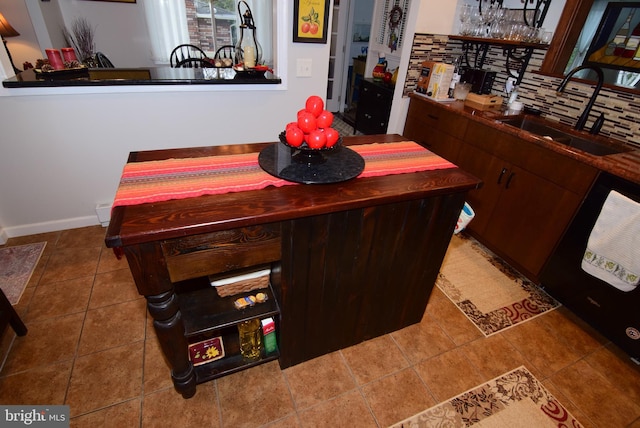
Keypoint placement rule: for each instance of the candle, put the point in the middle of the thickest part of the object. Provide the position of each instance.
(55, 59)
(249, 57)
(69, 54)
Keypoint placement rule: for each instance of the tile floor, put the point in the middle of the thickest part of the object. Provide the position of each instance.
(91, 345)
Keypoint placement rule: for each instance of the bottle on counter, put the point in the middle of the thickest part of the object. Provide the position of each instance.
(456, 75)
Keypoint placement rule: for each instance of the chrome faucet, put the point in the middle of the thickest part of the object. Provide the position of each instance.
(582, 120)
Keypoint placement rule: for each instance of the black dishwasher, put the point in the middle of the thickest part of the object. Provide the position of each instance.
(615, 313)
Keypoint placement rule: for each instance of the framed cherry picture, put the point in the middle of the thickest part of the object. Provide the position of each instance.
(310, 21)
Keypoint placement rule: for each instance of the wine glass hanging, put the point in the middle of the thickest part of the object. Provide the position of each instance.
(491, 20)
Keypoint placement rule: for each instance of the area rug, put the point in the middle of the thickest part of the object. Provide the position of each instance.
(16, 267)
(491, 294)
(515, 399)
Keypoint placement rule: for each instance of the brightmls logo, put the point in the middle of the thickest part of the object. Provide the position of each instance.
(37, 416)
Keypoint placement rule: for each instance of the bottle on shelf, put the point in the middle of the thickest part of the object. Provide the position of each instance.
(250, 332)
(622, 35)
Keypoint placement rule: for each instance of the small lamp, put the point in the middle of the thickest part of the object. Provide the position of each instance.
(6, 30)
(248, 50)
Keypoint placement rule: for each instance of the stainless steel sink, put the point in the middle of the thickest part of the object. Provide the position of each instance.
(591, 144)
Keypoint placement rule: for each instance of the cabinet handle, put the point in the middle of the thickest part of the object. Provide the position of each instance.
(506, 186)
(430, 116)
(502, 173)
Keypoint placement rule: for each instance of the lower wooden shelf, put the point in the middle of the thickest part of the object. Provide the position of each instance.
(207, 315)
(228, 365)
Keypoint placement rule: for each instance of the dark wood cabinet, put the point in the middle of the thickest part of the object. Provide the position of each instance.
(528, 198)
(436, 129)
(374, 107)
(529, 193)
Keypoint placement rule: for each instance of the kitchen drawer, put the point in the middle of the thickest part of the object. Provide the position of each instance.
(210, 253)
(428, 116)
(570, 174)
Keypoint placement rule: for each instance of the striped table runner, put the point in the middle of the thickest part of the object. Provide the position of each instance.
(156, 181)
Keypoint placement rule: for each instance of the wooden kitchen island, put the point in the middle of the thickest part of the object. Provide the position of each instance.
(349, 261)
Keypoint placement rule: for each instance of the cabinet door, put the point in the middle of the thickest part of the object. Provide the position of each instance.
(493, 171)
(374, 106)
(436, 129)
(529, 217)
(435, 140)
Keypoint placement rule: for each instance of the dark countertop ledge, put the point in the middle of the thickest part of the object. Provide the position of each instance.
(625, 165)
(135, 76)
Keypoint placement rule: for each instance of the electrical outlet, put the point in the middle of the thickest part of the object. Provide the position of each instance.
(303, 67)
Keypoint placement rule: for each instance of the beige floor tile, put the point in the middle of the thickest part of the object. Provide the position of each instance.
(106, 378)
(254, 397)
(70, 263)
(122, 415)
(167, 408)
(596, 396)
(611, 363)
(112, 287)
(451, 319)
(449, 374)
(157, 373)
(374, 358)
(113, 326)
(60, 298)
(51, 238)
(109, 261)
(290, 421)
(543, 347)
(41, 385)
(569, 405)
(91, 236)
(398, 396)
(423, 340)
(573, 331)
(318, 380)
(349, 409)
(494, 355)
(47, 342)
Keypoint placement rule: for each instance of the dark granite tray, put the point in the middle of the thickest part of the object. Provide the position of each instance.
(311, 166)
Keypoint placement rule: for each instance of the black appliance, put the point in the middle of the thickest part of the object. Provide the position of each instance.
(611, 311)
(481, 80)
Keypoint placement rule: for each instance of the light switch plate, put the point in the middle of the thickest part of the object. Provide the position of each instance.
(303, 67)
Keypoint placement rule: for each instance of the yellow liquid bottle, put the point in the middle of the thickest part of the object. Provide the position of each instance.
(250, 333)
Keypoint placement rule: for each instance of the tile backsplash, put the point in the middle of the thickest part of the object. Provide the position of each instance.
(621, 109)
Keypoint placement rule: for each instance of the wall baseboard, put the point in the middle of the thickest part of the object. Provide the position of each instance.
(49, 226)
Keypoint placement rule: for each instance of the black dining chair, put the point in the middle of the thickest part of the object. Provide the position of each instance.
(103, 61)
(183, 52)
(226, 51)
(194, 63)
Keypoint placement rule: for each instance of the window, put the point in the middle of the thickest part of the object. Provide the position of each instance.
(208, 24)
(613, 75)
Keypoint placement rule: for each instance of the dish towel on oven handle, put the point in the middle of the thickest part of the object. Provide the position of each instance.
(613, 248)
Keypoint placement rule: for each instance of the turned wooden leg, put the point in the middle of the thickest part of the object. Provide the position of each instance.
(148, 268)
(170, 330)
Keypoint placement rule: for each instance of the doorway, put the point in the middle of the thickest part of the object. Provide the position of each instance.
(350, 34)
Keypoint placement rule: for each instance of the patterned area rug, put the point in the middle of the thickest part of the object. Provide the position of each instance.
(488, 291)
(16, 267)
(515, 399)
